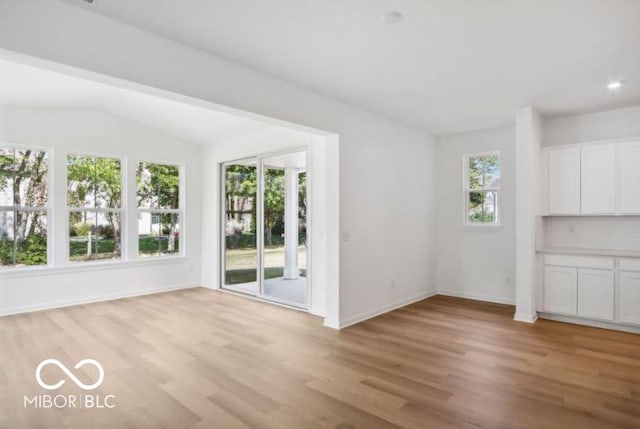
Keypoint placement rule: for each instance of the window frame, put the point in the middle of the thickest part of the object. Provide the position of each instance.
(180, 211)
(48, 208)
(122, 211)
(466, 190)
(57, 212)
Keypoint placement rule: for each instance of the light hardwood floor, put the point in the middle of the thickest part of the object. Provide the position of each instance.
(204, 359)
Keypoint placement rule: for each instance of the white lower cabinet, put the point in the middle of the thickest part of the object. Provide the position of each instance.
(593, 287)
(596, 294)
(560, 290)
(629, 303)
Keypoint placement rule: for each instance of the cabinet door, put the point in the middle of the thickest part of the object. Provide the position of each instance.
(564, 181)
(595, 293)
(560, 290)
(598, 180)
(629, 303)
(630, 177)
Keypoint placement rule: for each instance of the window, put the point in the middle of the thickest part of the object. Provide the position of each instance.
(94, 188)
(159, 214)
(23, 207)
(482, 188)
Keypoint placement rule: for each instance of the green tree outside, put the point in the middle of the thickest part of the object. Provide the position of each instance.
(23, 189)
(484, 172)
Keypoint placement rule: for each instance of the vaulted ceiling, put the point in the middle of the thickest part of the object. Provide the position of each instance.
(23, 86)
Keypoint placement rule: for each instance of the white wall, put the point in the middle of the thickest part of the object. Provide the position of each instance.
(528, 210)
(387, 204)
(610, 124)
(593, 232)
(97, 132)
(377, 156)
(474, 262)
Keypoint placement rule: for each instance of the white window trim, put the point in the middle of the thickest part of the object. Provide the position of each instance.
(480, 226)
(43, 270)
(48, 208)
(180, 211)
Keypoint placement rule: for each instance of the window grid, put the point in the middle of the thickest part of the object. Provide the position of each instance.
(95, 215)
(486, 190)
(92, 207)
(159, 185)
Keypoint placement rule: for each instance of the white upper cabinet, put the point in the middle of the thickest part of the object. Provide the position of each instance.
(598, 179)
(629, 162)
(564, 181)
(591, 179)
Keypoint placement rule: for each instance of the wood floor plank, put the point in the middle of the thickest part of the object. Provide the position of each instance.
(199, 359)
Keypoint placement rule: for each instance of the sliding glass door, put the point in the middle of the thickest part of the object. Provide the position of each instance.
(265, 227)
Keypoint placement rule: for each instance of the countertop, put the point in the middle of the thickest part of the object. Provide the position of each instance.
(590, 252)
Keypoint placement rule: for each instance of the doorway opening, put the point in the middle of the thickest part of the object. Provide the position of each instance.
(265, 227)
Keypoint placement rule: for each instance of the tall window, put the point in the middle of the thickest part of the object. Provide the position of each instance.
(482, 188)
(94, 188)
(159, 214)
(23, 207)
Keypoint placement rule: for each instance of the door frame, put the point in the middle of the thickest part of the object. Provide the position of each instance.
(259, 160)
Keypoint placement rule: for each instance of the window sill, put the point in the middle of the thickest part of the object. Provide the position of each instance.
(487, 227)
(74, 267)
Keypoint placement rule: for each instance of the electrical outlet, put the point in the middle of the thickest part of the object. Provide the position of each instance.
(571, 228)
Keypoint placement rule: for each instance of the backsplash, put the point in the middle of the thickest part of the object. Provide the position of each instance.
(601, 232)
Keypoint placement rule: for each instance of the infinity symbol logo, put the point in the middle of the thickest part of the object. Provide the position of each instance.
(73, 378)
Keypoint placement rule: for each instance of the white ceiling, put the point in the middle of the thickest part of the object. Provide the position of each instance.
(451, 65)
(26, 86)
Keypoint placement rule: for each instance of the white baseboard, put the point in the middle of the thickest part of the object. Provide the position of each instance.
(527, 318)
(381, 310)
(594, 323)
(478, 297)
(93, 299)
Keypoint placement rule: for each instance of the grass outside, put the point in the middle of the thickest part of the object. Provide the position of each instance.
(241, 264)
(104, 248)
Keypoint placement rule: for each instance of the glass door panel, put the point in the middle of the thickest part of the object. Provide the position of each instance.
(302, 223)
(240, 226)
(284, 228)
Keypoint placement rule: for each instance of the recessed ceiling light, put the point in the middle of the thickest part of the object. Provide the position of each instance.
(614, 85)
(392, 17)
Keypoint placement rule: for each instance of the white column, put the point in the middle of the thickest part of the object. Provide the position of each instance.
(291, 270)
(528, 188)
